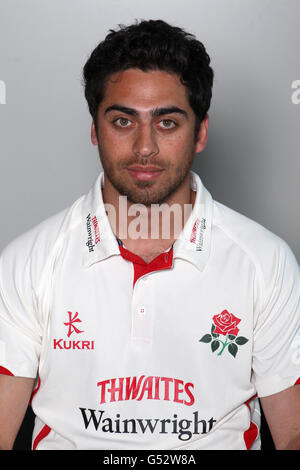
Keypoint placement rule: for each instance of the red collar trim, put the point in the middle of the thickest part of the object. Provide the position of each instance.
(162, 261)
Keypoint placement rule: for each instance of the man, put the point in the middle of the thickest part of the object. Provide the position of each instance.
(129, 325)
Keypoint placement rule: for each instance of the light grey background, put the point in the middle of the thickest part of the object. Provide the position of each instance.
(251, 162)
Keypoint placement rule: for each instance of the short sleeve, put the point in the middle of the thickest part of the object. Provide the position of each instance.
(276, 340)
(20, 329)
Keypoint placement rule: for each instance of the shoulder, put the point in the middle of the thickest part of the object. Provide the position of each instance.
(32, 249)
(246, 232)
(269, 253)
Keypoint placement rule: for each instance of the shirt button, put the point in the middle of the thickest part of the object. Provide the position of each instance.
(142, 310)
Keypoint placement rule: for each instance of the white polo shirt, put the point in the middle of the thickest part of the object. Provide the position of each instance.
(169, 355)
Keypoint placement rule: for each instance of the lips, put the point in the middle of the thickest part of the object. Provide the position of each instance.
(144, 172)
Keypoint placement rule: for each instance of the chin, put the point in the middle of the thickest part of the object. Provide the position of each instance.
(147, 197)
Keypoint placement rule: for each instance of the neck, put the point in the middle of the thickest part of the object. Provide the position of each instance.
(148, 230)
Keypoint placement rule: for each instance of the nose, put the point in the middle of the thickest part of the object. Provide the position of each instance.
(145, 144)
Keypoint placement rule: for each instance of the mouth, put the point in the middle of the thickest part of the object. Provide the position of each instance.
(144, 173)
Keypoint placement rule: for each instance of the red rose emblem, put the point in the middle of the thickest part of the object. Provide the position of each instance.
(226, 323)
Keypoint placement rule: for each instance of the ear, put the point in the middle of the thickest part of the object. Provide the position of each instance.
(94, 137)
(202, 135)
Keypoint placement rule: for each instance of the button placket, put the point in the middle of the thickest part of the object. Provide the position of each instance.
(141, 312)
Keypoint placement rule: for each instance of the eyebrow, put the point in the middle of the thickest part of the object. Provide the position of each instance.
(154, 112)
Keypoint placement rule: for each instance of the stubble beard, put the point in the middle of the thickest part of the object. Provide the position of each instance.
(146, 192)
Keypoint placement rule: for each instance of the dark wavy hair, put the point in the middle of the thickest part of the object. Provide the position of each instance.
(151, 45)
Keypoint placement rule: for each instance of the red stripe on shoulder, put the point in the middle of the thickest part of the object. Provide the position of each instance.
(5, 371)
(41, 435)
(297, 382)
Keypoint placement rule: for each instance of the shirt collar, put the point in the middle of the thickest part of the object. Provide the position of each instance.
(99, 241)
(193, 245)
(194, 242)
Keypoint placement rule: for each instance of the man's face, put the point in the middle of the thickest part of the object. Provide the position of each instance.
(145, 135)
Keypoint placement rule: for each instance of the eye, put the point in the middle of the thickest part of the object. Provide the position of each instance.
(122, 122)
(168, 124)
